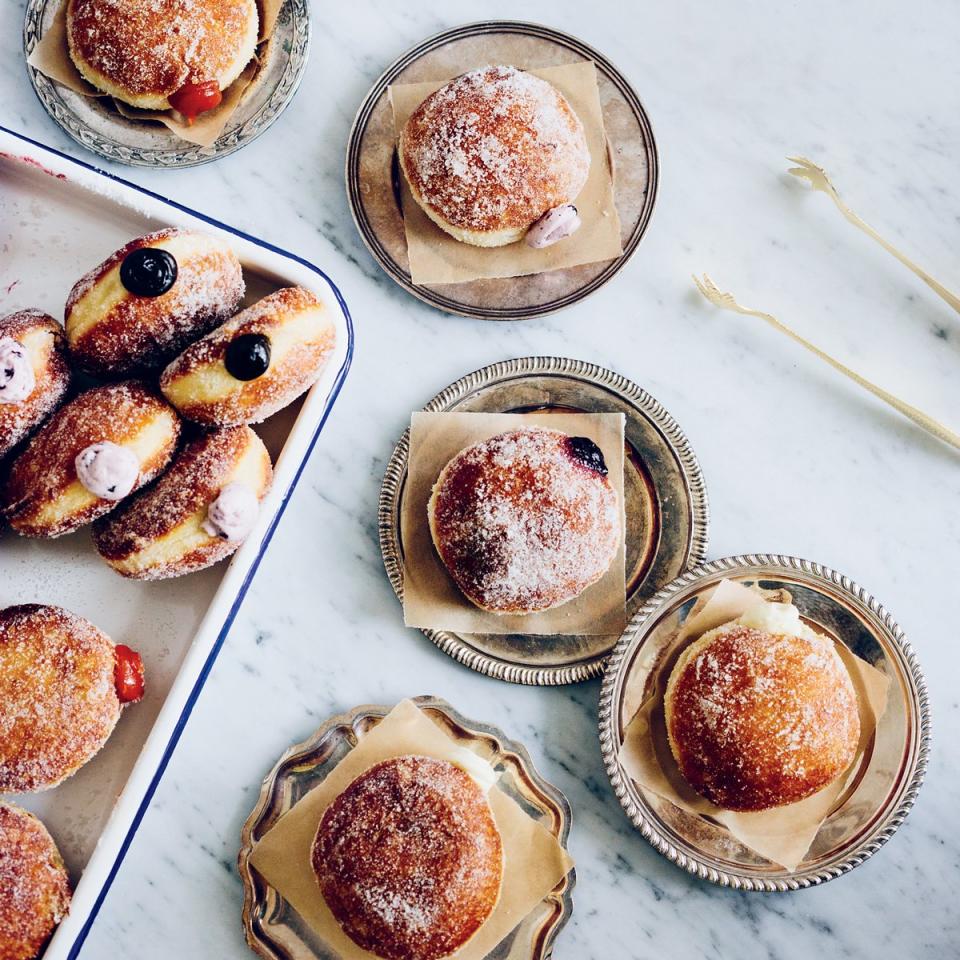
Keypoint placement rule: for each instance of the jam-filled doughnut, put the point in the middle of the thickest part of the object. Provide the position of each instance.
(409, 858)
(761, 711)
(491, 153)
(526, 520)
(104, 444)
(197, 513)
(34, 374)
(162, 54)
(149, 299)
(63, 684)
(34, 889)
(255, 364)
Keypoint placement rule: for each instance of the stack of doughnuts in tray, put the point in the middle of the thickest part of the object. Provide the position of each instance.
(135, 414)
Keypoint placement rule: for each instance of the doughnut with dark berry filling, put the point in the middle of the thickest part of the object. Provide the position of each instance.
(149, 299)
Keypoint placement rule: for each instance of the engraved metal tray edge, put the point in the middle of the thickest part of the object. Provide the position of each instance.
(449, 642)
(650, 829)
(556, 802)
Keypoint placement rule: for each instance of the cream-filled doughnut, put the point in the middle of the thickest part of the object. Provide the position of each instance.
(100, 447)
(409, 858)
(196, 514)
(149, 299)
(34, 374)
(761, 712)
(491, 153)
(255, 364)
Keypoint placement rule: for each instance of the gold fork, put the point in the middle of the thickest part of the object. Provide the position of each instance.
(818, 179)
(726, 301)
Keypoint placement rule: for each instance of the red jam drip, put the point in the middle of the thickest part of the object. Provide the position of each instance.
(128, 674)
(192, 98)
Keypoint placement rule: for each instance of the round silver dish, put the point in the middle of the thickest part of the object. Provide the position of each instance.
(372, 172)
(273, 928)
(666, 505)
(891, 771)
(94, 124)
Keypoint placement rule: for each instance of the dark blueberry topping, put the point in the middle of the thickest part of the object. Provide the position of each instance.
(248, 356)
(588, 453)
(148, 272)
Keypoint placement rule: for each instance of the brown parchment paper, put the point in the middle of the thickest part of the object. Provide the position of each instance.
(534, 862)
(51, 57)
(436, 257)
(783, 834)
(430, 597)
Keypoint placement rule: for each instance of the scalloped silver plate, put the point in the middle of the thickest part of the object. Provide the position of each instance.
(94, 124)
(666, 505)
(891, 772)
(273, 928)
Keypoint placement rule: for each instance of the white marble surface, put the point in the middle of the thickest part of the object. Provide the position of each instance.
(796, 459)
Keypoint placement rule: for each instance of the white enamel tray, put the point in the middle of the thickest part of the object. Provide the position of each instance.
(58, 217)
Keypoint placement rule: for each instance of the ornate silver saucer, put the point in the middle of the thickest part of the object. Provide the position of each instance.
(666, 505)
(891, 771)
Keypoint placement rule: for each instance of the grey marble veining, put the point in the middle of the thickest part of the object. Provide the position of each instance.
(796, 459)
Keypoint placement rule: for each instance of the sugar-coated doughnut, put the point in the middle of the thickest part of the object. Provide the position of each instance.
(761, 711)
(526, 520)
(197, 513)
(149, 299)
(34, 889)
(34, 374)
(63, 684)
(103, 445)
(409, 859)
(255, 364)
(149, 53)
(491, 152)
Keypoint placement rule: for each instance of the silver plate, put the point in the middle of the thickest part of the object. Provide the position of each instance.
(373, 178)
(273, 928)
(96, 125)
(666, 505)
(891, 771)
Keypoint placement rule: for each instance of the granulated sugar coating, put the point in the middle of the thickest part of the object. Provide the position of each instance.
(58, 702)
(114, 333)
(153, 47)
(409, 858)
(494, 150)
(34, 892)
(41, 496)
(526, 520)
(758, 720)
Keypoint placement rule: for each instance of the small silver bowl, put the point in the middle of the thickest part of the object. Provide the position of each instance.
(890, 773)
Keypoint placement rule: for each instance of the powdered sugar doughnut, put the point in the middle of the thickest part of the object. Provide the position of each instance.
(526, 520)
(105, 443)
(761, 713)
(148, 300)
(34, 374)
(409, 858)
(59, 698)
(196, 514)
(254, 364)
(144, 51)
(34, 890)
(491, 152)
